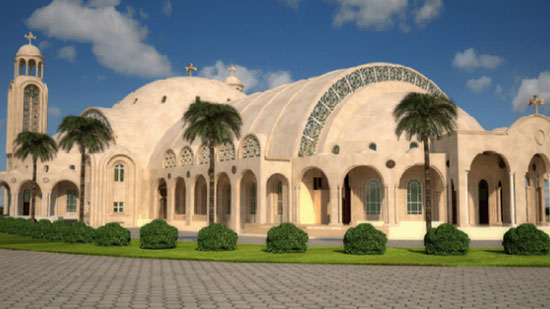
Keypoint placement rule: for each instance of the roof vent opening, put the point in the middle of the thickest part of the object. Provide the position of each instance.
(163, 99)
(135, 101)
(372, 146)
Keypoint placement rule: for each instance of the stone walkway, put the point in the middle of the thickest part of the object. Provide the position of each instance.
(49, 280)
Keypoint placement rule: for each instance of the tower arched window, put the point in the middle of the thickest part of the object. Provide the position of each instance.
(414, 197)
(119, 172)
(31, 108)
(372, 198)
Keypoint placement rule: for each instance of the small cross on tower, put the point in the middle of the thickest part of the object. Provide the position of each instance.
(535, 102)
(190, 69)
(30, 37)
(231, 69)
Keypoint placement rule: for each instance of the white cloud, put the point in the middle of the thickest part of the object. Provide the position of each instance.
(498, 90)
(167, 8)
(117, 40)
(376, 14)
(143, 14)
(529, 87)
(103, 3)
(291, 3)
(469, 60)
(431, 9)
(44, 44)
(54, 111)
(252, 79)
(67, 53)
(478, 85)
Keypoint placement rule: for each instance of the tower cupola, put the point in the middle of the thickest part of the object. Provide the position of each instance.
(29, 60)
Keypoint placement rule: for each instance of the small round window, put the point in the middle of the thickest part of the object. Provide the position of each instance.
(372, 146)
(336, 149)
(72, 167)
(413, 145)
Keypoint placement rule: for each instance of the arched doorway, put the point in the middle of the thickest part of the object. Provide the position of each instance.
(249, 198)
(536, 176)
(277, 199)
(411, 199)
(223, 199)
(64, 200)
(454, 218)
(162, 201)
(314, 198)
(179, 198)
(5, 193)
(483, 201)
(25, 200)
(201, 199)
(363, 195)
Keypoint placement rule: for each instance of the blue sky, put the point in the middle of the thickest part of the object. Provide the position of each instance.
(488, 56)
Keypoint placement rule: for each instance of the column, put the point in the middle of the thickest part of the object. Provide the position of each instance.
(338, 194)
(297, 193)
(395, 208)
(512, 199)
(467, 199)
(235, 208)
(189, 199)
(170, 200)
(386, 195)
(261, 205)
(16, 204)
(333, 206)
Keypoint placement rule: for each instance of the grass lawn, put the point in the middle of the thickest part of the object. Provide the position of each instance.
(255, 254)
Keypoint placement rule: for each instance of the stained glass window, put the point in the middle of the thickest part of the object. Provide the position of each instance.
(71, 200)
(186, 157)
(204, 155)
(414, 197)
(226, 152)
(372, 198)
(31, 108)
(250, 148)
(169, 160)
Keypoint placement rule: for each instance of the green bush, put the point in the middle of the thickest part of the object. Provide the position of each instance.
(56, 231)
(446, 239)
(112, 234)
(364, 239)
(5, 224)
(21, 227)
(286, 238)
(78, 232)
(526, 239)
(158, 235)
(40, 229)
(216, 237)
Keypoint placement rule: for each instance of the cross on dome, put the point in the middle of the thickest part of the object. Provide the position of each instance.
(190, 69)
(30, 37)
(231, 69)
(536, 102)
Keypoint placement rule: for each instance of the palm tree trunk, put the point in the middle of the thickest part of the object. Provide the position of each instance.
(82, 178)
(211, 181)
(427, 184)
(33, 189)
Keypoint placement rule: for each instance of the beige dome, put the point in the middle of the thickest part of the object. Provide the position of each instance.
(234, 82)
(29, 50)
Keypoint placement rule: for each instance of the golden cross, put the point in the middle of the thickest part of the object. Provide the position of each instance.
(30, 37)
(232, 69)
(536, 102)
(190, 69)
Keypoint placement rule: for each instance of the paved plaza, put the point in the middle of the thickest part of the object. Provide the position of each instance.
(49, 280)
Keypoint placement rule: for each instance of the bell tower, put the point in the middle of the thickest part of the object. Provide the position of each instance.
(27, 97)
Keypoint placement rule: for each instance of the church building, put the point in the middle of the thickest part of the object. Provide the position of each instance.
(321, 153)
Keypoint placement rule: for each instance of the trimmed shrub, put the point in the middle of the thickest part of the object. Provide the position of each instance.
(217, 237)
(158, 235)
(364, 239)
(40, 229)
(286, 238)
(21, 227)
(112, 234)
(78, 232)
(446, 239)
(56, 231)
(526, 239)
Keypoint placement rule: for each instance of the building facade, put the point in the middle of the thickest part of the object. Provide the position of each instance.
(321, 153)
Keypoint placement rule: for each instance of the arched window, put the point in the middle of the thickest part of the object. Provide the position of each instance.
(250, 147)
(119, 173)
(413, 145)
(169, 160)
(253, 199)
(226, 152)
(414, 197)
(31, 108)
(186, 157)
(280, 198)
(71, 200)
(372, 198)
(204, 154)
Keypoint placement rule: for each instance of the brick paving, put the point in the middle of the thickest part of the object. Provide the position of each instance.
(49, 280)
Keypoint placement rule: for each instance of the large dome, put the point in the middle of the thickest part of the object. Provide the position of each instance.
(29, 50)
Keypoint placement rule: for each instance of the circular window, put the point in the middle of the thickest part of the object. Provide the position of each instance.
(72, 167)
(372, 146)
(390, 164)
(336, 149)
(413, 145)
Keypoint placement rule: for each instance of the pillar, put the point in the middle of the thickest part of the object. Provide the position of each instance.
(512, 199)
(235, 218)
(261, 205)
(189, 199)
(467, 199)
(333, 205)
(387, 206)
(170, 200)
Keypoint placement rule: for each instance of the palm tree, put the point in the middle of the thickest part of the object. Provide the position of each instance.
(425, 116)
(214, 124)
(38, 146)
(91, 135)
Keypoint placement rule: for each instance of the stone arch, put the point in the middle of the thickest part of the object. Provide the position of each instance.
(22, 67)
(249, 198)
(250, 147)
(32, 67)
(537, 176)
(493, 168)
(201, 198)
(96, 114)
(351, 82)
(186, 157)
(277, 199)
(6, 197)
(179, 198)
(363, 195)
(223, 199)
(406, 212)
(64, 200)
(226, 152)
(169, 159)
(314, 197)
(24, 199)
(161, 199)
